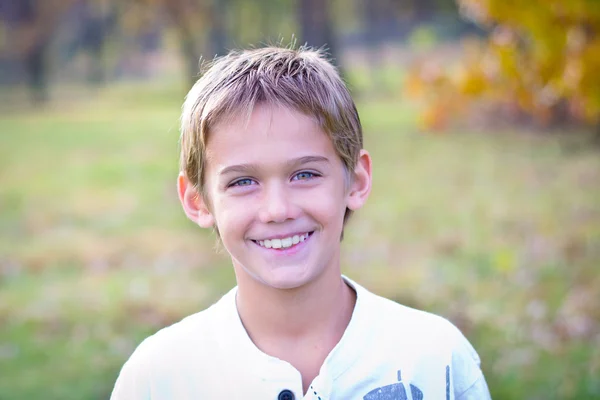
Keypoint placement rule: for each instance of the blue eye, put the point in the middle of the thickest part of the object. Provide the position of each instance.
(243, 182)
(304, 175)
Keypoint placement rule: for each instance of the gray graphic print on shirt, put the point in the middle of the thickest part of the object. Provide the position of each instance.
(398, 391)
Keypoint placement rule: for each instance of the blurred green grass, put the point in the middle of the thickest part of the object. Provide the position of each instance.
(497, 231)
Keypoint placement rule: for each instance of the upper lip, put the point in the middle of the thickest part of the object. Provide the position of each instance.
(285, 235)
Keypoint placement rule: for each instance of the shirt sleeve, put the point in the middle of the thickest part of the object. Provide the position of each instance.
(468, 380)
(134, 380)
(478, 391)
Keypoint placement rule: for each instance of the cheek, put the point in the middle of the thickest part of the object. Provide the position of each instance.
(232, 216)
(329, 206)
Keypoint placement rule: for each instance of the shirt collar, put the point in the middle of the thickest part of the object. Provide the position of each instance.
(355, 339)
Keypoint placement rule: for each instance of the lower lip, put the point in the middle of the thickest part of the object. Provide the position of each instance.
(287, 251)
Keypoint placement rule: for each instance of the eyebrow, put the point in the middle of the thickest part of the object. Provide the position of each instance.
(245, 168)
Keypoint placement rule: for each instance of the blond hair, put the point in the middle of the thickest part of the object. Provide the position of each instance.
(301, 79)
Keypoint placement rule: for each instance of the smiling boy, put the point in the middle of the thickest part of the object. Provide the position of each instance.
(272, 159)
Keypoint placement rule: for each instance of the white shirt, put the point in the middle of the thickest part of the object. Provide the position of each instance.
(388, 351)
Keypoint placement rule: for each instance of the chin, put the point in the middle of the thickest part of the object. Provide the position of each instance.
(285, 280)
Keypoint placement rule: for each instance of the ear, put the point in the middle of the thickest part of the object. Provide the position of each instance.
(193, 203)
(360, 187)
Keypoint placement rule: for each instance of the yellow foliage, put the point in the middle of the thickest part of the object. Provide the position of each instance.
(538, 56)
(470, 80)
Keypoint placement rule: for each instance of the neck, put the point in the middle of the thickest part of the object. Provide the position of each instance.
(318, 310)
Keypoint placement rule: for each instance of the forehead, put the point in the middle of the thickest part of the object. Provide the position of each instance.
(270, 134)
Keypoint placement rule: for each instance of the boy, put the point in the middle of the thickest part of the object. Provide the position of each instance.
(272, 159)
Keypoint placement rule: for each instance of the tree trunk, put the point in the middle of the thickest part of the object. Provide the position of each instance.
(218, 29)
(179, 12)
(33, 45)
(316, 26)
(372, 36)
(98, 26)
(34, 22)
(37, 71)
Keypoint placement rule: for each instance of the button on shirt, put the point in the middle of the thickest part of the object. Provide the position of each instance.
(286, 395)
(386, 348)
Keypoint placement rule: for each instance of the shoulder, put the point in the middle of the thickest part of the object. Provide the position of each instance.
(190, 331)
(426, 327)
(436, 337)
(180, 344)
(425, 335)
(432, 337)
(413, 323)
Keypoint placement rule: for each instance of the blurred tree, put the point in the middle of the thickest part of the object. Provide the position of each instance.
(218, 36)
(423, 10)
(540, 59)
(201, 26)
(31, 23)
(189, 18)
(273, 21)
(98, 19)
(316, 26)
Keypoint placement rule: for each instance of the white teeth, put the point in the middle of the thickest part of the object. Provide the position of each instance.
(282, 243)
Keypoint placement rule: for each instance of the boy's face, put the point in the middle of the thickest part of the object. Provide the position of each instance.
(278, 193)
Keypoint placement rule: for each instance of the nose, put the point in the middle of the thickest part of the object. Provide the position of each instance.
(276, 204)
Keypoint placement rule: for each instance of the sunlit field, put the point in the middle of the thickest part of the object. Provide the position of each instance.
(497, 231)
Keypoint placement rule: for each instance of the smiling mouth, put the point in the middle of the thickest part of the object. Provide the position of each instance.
(283, 243)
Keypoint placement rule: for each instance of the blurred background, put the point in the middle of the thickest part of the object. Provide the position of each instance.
(482, 117)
